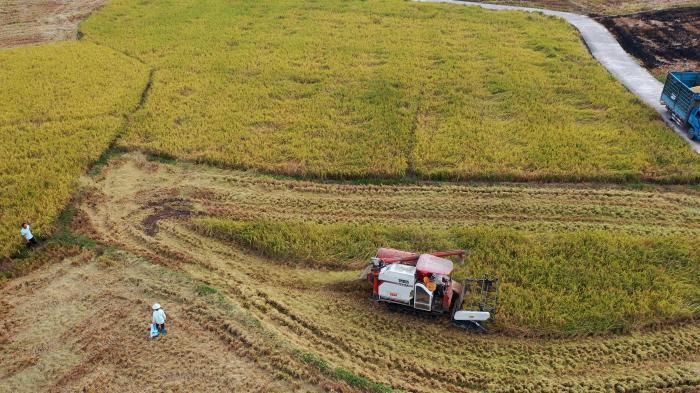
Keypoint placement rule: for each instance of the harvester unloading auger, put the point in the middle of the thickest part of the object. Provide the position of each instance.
(423, 282)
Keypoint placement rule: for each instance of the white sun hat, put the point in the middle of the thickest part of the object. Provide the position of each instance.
(156, 306)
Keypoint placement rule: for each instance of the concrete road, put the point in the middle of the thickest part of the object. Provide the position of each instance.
(605, 48)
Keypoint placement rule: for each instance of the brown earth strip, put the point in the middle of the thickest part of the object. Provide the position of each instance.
(664, 41)
(24, 22)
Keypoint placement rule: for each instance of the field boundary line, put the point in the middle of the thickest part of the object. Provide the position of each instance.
(413, 136)
(608, 52)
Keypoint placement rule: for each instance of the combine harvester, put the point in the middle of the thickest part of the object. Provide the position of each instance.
(423, 283)
(681, 96)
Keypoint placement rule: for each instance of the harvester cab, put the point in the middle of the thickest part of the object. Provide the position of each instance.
(423, 282)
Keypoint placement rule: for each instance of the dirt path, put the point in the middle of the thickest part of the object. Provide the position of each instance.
(327, 314)
(24, 22)
(605, 48)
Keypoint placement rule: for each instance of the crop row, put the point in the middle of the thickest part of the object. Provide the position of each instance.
(581, 282)
(242, 196)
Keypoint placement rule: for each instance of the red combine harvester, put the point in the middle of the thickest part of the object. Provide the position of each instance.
(423, 282)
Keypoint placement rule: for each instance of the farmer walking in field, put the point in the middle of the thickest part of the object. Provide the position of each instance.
(158, 321)
(26, 233)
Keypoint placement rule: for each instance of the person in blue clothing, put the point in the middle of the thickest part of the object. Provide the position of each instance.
(159, 319)
(26, 233)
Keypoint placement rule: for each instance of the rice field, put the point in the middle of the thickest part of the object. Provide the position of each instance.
(61, 106)
(307, 323)
(384, 89)
(246, 158)
(322, 90)
(568, 268)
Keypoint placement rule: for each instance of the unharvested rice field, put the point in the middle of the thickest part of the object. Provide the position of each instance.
(384, 89)
(291, 87)
(239, 162)
(61, 107)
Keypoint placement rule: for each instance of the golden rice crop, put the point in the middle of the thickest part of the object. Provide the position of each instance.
(384, 88)
(67, 80)
(61, 107)
(582, 282)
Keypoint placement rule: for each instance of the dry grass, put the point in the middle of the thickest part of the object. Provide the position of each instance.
(82, 325)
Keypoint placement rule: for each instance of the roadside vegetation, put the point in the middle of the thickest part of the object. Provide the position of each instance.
(61, 106)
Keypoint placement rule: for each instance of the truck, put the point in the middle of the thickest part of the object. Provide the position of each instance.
(681, 96)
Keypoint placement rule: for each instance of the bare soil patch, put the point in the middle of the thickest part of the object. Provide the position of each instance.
(24, 22)
(608, 7)
(663, 40)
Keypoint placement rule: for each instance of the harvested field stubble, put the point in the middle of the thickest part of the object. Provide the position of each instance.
(92, 334)
(330, 89)
(325, 313)
(568, 265)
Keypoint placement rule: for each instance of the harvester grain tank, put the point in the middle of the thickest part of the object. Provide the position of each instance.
(681, 96)
(423, 283)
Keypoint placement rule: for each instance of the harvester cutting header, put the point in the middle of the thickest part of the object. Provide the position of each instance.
(423, 282)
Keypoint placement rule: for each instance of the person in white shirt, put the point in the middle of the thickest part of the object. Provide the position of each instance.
(26, 233)
(159, 319)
